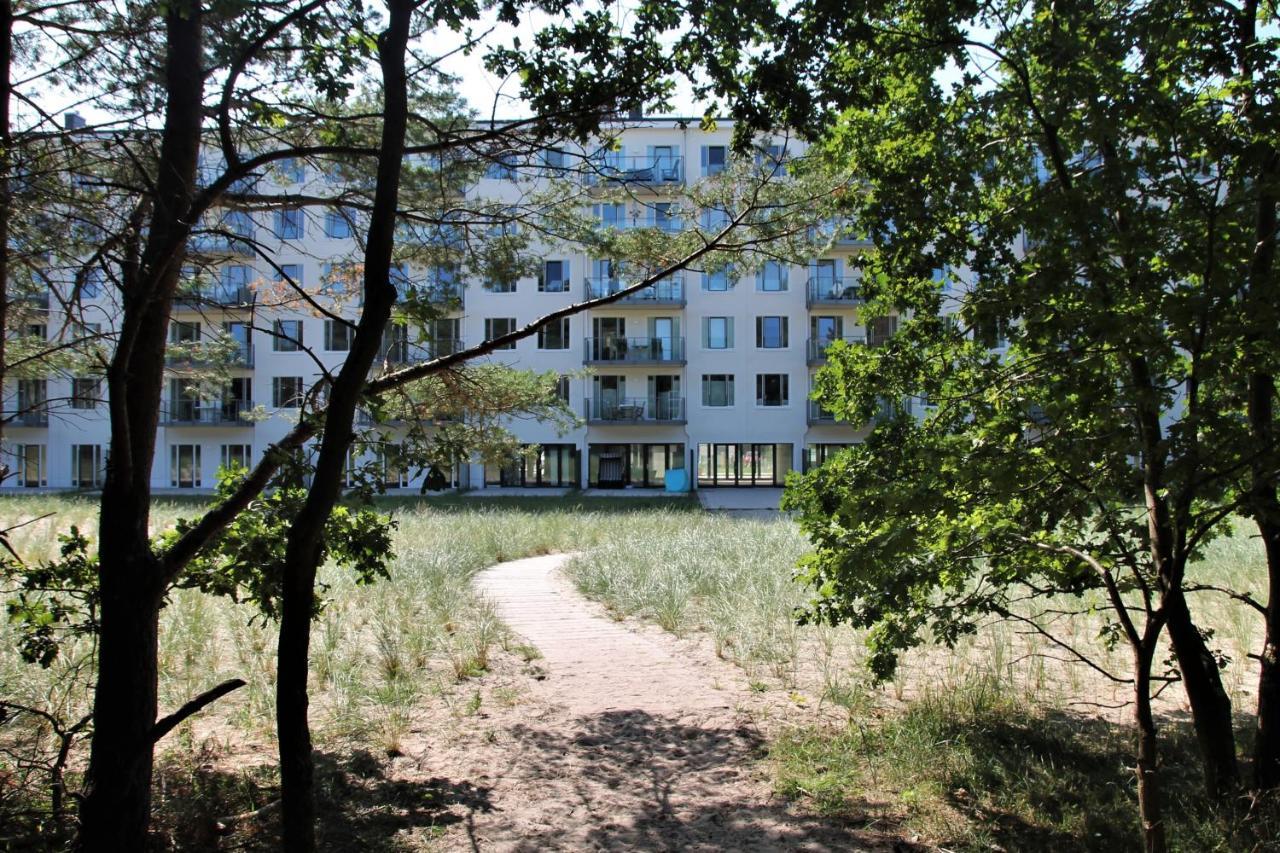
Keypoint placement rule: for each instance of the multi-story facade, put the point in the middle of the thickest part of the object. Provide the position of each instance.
(700, 372)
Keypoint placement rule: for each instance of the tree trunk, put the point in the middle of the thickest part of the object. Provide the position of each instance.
(1149, 802)
(1266, 748)
(1210, 705)
(305, 545)
(116, 808)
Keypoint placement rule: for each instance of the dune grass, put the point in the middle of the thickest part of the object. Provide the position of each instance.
(970, 748)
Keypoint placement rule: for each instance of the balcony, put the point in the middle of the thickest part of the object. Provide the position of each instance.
(668, 292)
(817, 347)
(34, 416)
(818, 416)
(199, 356)
(404, 352)
(215, 245)
(635, 411)
(634, 351)
(207, 413)
(218, 296)
(644, 171)
(830, 292)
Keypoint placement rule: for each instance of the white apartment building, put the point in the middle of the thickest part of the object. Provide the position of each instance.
(698, 372)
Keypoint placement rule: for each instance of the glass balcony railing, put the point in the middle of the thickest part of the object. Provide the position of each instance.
(668, 291)
(31, 416)
(619, 350)
(648, 170)
(226, 296)
(826, 290)
(207, 413)
(195, 353)
(635, 410)
(817, 347)
(213, 245)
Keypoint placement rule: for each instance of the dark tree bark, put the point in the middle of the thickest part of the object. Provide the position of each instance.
(304, 548)
(1210, 704)
(117, 803)
(1150, 806)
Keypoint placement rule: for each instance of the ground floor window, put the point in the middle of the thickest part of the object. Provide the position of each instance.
(86, 466)
(743, 464)
(816, 454)
(30, 470)
(184, 466)
(616, 466)
(237, 455)
(540, 465)
(391, 465)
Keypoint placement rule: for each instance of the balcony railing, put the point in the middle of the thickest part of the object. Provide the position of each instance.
(668, 291)
(649, 170)
(817, 347)
(240, 356)
(220, 295)
(213, 245)
(33, 416)
(884, 411)
(636, 410)
(617, 350)
(406, 352)
(210, 413)
(824, 290)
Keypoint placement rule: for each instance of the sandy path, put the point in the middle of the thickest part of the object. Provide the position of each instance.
(625, 739)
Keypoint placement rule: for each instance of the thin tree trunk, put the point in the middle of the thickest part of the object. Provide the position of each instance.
(6, 197)
(116, 808)
(1266, 749)
(1150, 807)
(304, 547)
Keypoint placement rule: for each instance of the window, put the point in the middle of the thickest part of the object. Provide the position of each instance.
(340, 279)
(292, 170)
(289, 223)
(772, 277)
(183, 332)
(237, 455)
(290, 272)
(286, 392)
(717, 389)
(503, 168)
(240, 223)
(184, 466)
(613, 215)
(555, 277)
(772, 389)
(562, 389)
(773, 159)
(715, 219)
(506, 284)
(496, 327)
(86, 466)
(338, 336)
(30, 471)
(336, 225)
(771, 332)
(287, 336)
(663, 216)
(234, 283)
(85, 392)
(39, 331)
(716, 282)
(554, 335)
(93, 281)
(717, 332)
(714, 158)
